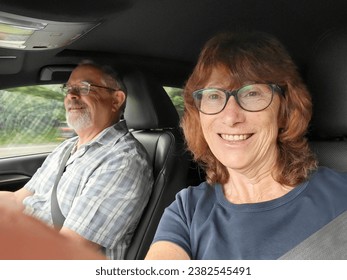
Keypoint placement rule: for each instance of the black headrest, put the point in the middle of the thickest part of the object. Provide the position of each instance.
(327, 80)
(148, 105)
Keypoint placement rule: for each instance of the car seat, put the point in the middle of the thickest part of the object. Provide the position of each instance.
(154, 121)
(327, 81)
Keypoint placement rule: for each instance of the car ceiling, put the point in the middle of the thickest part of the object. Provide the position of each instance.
(165, 36)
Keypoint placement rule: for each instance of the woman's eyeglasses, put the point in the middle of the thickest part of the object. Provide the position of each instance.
(252, 98)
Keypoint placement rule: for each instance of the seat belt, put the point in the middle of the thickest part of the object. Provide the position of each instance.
(328, 243)
(57, 216)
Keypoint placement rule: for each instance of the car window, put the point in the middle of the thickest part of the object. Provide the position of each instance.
(32, 120)
(176, 96)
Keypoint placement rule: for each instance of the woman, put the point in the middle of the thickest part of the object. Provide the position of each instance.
(246, 115)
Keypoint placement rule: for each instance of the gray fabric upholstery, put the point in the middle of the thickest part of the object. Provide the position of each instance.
(329, 243)
(327, 80)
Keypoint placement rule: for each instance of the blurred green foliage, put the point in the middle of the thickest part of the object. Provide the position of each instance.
(176, 95)
(31, 114)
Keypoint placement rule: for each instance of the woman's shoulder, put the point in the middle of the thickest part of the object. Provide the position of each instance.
(325, 174)
(202, 194)
(196, 191)
(329, 184)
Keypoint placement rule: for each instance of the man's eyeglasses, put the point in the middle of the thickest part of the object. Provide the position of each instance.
(252, 98)
(82, 89)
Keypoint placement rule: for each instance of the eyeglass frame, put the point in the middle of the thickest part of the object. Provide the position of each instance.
(73, 88)
(234, 93)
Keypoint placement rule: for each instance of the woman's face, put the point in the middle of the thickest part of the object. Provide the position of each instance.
(241, 140)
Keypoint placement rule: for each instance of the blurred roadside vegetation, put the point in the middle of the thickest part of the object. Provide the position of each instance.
(31, 115)
(176, 95)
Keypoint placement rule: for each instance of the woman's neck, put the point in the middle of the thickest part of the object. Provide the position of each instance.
(253, 189)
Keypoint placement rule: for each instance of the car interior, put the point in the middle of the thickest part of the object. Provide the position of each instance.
(155, 44)
(327, 82)
(155, 123)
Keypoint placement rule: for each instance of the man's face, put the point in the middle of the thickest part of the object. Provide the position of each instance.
(95, 110)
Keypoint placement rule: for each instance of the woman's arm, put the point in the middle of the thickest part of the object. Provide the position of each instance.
(165, 250)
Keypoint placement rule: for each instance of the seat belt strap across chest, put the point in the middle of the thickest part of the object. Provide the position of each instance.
(57, 216)
(328, 243)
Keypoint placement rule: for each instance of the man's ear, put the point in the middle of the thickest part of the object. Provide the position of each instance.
(118, 100)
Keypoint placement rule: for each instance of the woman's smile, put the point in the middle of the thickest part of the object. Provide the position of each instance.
(235, 137)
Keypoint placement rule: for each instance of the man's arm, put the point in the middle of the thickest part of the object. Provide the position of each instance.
(79, 240)
(15, 199)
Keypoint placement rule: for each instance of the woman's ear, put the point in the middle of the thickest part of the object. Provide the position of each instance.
(118, 100)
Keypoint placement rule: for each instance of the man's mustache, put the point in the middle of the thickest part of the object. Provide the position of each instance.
(75, 104)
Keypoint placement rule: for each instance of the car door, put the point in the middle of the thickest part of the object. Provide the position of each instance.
(16, 171)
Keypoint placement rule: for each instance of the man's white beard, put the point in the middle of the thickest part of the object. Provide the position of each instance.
(83, 121)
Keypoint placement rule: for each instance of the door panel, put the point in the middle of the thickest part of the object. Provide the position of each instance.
(16, 171)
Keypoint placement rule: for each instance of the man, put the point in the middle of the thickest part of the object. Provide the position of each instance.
(107, 179)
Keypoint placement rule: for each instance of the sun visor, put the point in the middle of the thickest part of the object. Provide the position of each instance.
(18, 32)
(56, 73)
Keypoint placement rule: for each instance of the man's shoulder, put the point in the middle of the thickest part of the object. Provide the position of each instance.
(118, 136)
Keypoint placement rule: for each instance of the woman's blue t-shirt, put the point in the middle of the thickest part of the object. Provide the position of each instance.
(207, 226)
